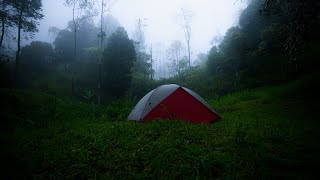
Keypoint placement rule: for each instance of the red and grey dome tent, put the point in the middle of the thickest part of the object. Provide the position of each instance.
(173, 102)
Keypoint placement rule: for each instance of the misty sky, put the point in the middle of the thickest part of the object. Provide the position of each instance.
(211, 18)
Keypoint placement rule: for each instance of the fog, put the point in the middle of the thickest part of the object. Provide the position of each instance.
(239, 98)
(210, 18)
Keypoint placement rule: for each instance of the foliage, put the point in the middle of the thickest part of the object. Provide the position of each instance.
(142, 66)
(86, 33)
(53, 32)
(300, 27)
(254, 53)
(142, 72)
(177, 59)
(36, 57)
(63, 46)
(139, 37)
(118, 59)
(87, 71)
(6, 20)
(27, 14)
(140, 86)
(110, 25)
(118, 110)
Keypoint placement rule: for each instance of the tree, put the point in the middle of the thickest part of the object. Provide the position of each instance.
(53, 32)
(142, 65)
(34, 57)
(86, 35)
(26, 17)
(201, 59)
(235, 46)
(78, 7)
(253, 54)
(144, 62)
(151, 70)
(118, 58)
(301, 25)
(6, 21)
(177, 58)
(102, 35)
(250, 21)
(63, 47)
(108, 25)
(216, 40)
(214, 60)
(186, 18)
(138, 35)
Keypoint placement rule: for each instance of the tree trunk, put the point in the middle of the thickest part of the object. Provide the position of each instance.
(72, 85)
(151, 61)
(99, 86)
(2, 31)
(189, 56)
(16, 71)
(74, 62)
(74, 49)
(3, 18)
(75, 46)
(100, 57)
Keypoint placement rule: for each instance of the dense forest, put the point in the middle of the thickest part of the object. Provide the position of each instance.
(270, 46)
(64, 103)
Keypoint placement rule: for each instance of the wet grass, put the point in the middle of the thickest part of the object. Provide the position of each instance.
(266, 133)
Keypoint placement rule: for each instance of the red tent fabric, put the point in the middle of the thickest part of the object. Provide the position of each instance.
(173, 102)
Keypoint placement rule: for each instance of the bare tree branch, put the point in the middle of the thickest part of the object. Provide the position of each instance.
(185, 23)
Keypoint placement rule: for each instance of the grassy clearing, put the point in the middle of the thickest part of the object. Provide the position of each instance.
(267, 133)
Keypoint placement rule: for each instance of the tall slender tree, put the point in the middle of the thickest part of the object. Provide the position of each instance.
(138, 35)
(185, 23)
(5, 18)
(176, 57)
(102, 36)
(105, 6)
(81, 9)
(151, 70)
(26, 16)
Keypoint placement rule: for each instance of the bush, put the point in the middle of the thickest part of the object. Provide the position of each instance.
(119, 109)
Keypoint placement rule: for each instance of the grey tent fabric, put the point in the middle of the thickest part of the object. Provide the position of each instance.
(151, 100)
(136, 113)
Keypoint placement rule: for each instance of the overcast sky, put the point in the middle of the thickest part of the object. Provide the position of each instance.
(210, 18)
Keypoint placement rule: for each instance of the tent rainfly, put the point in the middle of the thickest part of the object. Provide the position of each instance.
(172, 101)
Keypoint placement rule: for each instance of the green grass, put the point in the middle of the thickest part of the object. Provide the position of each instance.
(266, 133)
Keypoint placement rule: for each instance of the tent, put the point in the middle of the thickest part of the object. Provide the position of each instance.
(172, 101)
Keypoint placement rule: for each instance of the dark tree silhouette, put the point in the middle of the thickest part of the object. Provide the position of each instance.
(118, 59)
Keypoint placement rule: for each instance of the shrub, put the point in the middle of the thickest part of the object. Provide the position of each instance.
(119, 109)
